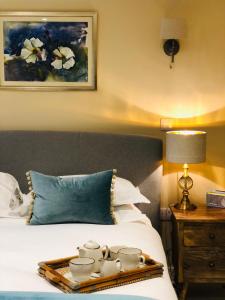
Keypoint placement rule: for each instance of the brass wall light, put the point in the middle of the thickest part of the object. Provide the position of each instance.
(171, 31)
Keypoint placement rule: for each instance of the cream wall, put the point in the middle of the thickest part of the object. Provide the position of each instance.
(135, 85)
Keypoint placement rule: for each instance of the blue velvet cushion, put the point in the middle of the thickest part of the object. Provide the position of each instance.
(85, 199)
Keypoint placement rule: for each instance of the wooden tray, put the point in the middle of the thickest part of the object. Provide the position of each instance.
(57, 273)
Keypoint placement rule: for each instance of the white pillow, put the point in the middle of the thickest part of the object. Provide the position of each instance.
(13, 204)
(125, 192)
(130, 213)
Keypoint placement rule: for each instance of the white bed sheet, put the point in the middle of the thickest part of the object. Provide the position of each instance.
(23, 246)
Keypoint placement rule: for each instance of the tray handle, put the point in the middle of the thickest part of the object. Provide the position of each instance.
(52, 277)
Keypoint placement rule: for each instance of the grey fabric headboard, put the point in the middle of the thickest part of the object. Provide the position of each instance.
(137, 158)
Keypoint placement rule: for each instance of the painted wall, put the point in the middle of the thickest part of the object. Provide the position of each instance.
(135, 85)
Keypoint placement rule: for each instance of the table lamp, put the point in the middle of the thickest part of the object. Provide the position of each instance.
(185, 147)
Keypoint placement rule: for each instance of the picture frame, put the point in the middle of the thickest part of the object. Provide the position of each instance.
(48, 50)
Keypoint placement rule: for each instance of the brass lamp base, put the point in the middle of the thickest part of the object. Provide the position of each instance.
(185, 206)
(185, 183)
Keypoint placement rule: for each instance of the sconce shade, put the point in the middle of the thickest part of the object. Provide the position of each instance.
(186, 147)
(172, 29)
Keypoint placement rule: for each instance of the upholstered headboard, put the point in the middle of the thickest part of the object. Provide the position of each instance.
(137, 158)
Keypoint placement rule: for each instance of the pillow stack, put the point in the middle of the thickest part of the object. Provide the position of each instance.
(98, 198)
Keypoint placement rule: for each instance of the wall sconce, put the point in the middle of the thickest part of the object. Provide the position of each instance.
(171, 31)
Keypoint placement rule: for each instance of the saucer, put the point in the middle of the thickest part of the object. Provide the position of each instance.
(68, 275)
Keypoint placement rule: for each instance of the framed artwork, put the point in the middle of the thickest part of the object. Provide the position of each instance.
(48, 50)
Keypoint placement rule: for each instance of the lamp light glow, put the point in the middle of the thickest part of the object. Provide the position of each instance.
(186, 132)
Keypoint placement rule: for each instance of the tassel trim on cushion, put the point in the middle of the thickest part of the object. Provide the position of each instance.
(30, 212)
(112, 191)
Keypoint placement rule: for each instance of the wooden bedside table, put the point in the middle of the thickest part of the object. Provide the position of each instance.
(198, 246)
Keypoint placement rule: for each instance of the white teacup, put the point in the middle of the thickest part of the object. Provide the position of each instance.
(81, 268)
(109, 267)
(113, 251)
(130, 258)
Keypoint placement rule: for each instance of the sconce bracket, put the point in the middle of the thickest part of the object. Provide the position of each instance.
(171, 47)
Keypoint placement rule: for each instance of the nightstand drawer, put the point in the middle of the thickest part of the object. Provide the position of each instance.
(207, 263)
(204, 234)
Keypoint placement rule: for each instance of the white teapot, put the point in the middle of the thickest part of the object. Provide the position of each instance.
(92, 249)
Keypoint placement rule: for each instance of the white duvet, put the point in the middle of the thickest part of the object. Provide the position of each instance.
(23, 246)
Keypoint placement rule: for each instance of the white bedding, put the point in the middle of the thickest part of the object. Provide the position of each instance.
(23, 246)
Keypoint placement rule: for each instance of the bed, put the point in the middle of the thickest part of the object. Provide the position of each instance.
(136, 158)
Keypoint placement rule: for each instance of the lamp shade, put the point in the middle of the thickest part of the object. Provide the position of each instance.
(172, 28)
(184, 146)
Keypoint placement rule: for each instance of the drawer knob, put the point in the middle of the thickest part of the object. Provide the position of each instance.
(211, 264)
(212, 236)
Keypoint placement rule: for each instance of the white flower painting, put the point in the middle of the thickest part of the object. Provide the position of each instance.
(49, 53)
